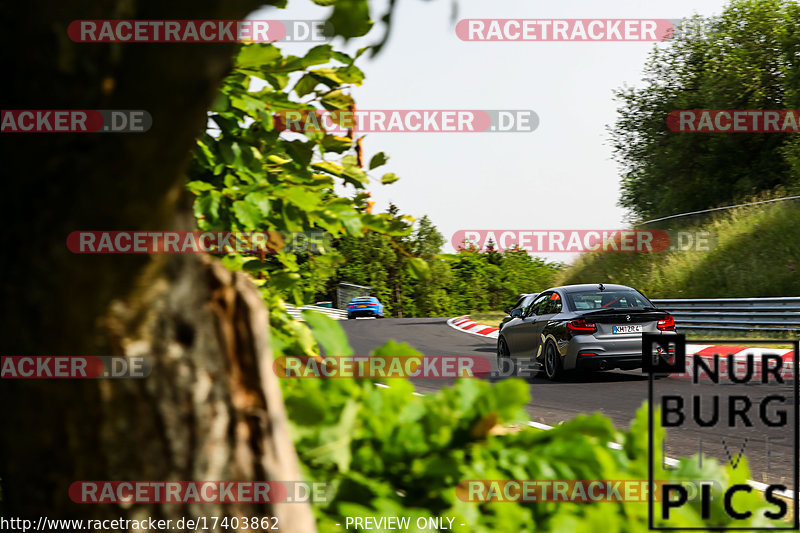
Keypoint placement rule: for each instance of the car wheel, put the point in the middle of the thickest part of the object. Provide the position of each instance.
(349, 317)
(502, 347)
(552, 363)
(503, 353)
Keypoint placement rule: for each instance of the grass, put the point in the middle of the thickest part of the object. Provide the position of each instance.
(757, 254)
(490, 318)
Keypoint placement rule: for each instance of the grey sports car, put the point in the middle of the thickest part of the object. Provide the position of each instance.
(585, 327)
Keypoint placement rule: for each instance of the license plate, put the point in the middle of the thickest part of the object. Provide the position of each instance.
(626, 329)
(361, 306)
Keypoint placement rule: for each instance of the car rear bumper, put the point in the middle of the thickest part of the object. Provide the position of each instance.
(585, 352)
(363, 312)
(608, 362)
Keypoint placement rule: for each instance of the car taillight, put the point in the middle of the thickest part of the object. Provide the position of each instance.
(581, 326)
(668, 324)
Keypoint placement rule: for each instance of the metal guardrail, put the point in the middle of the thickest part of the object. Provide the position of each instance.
(336, 314)
(767, 314)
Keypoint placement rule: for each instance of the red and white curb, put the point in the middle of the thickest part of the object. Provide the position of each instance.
(706, 351)
(465, 324)
(739, 354)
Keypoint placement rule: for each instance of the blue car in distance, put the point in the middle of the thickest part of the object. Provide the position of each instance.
(364, 306)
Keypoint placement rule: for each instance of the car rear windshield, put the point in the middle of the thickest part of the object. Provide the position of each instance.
(363, 299)
(607, 299)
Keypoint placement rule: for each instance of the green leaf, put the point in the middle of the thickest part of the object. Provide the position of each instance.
(278, 160)
(418, 268)
(328, 76)
(208, 205)
(389, 178)
(354, 174)
(305, 85)
(318, 55)
(299, 196)
(350, 74)
(337, 101)
(329, 167)
(277, 80)
(279, 101)
(260, 199)
(337, 438)
(378, 160)
(350, 18)
(226, 150)
(284, 280)
(247, 103)
(220, 103)
(328, 333)
(333, 143)
(256, 55)
(393, 348)
(198, 187)
(248, 214)
(348, 216)
(342, 57)
(515, 393)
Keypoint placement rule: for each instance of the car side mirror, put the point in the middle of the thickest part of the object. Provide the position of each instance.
(516, 313)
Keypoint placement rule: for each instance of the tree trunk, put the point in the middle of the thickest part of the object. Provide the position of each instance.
(211, 408)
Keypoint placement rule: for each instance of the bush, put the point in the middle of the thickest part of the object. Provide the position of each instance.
(390, 453)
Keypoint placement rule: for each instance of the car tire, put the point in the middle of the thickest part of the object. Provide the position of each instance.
(349, 317)
(504, 353)
(553, 366)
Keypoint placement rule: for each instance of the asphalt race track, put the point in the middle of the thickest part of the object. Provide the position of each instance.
(616, 394)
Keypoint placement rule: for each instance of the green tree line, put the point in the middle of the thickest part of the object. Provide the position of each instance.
(450, 284)
(743, 59)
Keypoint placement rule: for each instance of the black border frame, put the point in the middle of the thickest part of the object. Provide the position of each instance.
(650, 449)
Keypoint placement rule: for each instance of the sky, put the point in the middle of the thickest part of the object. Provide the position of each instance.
(560, 176)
